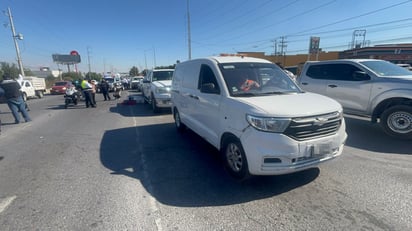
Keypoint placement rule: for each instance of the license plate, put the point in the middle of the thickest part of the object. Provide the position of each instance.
(320, 149)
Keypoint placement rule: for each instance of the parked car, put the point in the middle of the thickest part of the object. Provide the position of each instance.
(60, 87)
(256, 115)
(377, 89)
(156, 88)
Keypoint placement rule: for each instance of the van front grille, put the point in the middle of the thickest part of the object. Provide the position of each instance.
(304, 128)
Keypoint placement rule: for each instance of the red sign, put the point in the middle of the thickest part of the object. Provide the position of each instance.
(74, 53)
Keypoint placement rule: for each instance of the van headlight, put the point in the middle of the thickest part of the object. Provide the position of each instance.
(162, 90)
(268, 124)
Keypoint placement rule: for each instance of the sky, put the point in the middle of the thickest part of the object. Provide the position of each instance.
(115, 35)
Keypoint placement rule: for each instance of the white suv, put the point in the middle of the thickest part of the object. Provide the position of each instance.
(156, 88)
(259, 119)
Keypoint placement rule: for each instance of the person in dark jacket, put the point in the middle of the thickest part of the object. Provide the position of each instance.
(104, 88)
(14, 98)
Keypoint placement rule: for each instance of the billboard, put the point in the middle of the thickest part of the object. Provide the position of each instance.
(66, 59)
(314, 45)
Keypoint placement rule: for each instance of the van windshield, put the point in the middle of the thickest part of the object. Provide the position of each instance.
(254, 79)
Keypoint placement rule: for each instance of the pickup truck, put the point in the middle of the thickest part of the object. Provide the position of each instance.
(377, 89)
(156, 88)
(33, 87)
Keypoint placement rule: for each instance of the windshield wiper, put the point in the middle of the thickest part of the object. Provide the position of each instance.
(244, 94)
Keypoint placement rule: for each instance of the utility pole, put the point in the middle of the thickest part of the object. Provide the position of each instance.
(275, 46)
(15, 37)
(88, 60)
(145, 59)
(283, 45)
(188, 32)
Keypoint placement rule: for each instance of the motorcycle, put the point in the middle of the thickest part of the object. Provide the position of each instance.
(118, 88)
(71, 97)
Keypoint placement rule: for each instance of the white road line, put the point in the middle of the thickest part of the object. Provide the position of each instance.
(6, 202)
(152, 201)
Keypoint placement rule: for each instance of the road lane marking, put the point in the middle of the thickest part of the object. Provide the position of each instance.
(152, 201)
(6, 202)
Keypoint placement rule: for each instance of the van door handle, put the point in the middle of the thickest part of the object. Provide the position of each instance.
(194, 97)
(304, 83)
(332, 85)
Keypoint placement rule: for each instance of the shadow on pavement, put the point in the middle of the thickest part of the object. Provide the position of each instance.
(364, 135)
(184, 170)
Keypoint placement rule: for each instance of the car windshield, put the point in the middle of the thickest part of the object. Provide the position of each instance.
(254, 79)
(109, 80)
(60, 84)
(162, 75)
(383, 68)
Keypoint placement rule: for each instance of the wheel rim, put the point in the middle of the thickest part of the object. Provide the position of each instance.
(234, 157)
(400, 122)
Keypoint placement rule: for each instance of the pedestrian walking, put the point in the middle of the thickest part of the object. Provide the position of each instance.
(86, 88)
(14, 98)
(104, 88)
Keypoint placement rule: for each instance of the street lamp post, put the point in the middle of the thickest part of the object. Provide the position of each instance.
(15, 37)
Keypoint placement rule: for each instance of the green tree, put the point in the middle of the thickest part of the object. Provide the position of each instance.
(28, 72)
(93, 75)
(134, 71)
(11, 70)
(71, 76)
(50, 80)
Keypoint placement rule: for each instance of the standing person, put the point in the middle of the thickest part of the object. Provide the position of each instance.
(104, 88)
(14, 99)
(86, 88)
(93, 92)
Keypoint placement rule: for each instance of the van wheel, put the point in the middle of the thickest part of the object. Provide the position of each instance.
(235, 158)
(178, 122)
(397, 121)
(154, 106)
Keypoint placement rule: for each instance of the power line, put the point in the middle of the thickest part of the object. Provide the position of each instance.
(351, 18)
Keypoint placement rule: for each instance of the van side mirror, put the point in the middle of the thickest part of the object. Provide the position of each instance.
(209, 88)
(360, 76)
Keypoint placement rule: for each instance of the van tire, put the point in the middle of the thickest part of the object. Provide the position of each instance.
(234, 158)
(178, 122)
(397, 121)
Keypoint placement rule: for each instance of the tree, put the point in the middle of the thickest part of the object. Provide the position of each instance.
(93, 75)
(11, 70)
(134, 71)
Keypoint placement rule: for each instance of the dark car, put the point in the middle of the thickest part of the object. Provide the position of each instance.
(60, 87)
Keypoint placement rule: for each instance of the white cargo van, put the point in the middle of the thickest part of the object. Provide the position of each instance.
(259, 119)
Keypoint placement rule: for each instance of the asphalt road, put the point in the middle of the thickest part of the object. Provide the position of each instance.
(120, 167)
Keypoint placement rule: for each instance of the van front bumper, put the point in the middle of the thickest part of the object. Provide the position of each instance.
(277, 154)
